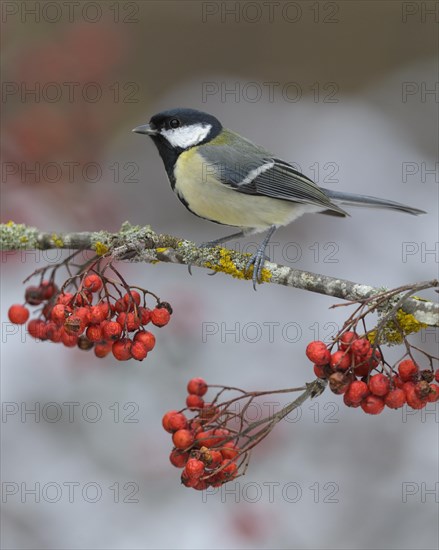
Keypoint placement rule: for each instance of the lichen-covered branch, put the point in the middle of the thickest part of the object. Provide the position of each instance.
(142, 244)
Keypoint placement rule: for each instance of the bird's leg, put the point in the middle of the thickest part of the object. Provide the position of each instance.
(210, 244)
(257, 260)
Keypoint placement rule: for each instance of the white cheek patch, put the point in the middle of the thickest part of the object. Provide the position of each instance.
(187, 136)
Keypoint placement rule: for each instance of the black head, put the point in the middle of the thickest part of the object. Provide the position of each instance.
(180, 129)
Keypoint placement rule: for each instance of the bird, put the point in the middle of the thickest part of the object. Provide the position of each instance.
(224, 177)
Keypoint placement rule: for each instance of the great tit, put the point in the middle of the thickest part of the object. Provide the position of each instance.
(225, 178)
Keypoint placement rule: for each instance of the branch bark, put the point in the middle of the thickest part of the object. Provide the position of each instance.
(142, 244)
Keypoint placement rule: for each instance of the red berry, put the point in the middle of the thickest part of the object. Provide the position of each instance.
(111, 330)
(120, 305)
(74, 325)
(130, 298)
(60, 313)
(178, 458)
(130, 321)
(83, 313)
(147, 339)
(65, 298)
(379, 384)
(201, 485)
(165, 305)
(436, 375)
(397, 382)
(346, 340)
(348, 402)
(83, 298)
(69, 340)
(18, 314)
(138, 351)
(433, 396)
(216, 459)
(412, 399)
(194, 468)
(194, 402)
(53, 332)
(209, 438)
(340, 361)
(221, 434)
(364, 364)
(160, 316)
(165, 420)
(37, 329)
(122, 349)
(99, 313)
(357, 391)
(229, 471)
(408, 370)
(144, 315)
(360, 349)
(33, 295)
(318, 353)
(229, 450)
(47, 311)
(362, 370)
(395, 399)
(178, 421)
(183, 439)
(372, 404)
(102, 349)
(211, 458)
(422, 389)
(320, 372)
(48, 290)
(188, 481)
(173, 421)
(197, 386)
(92, 282)
(94, 333)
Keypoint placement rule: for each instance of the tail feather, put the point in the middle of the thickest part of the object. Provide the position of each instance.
(352, 199)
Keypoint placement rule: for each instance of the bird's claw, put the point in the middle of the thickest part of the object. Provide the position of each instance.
(257, 260)
(208, 244)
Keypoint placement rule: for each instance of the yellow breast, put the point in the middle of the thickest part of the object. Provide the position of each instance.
(198, 186)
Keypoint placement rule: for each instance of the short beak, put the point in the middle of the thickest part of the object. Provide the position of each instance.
(145, 129)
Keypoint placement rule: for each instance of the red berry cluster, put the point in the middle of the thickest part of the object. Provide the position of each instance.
(206, 452)
(349, 372)
(91, 319)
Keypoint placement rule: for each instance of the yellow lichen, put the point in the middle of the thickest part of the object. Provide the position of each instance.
(161, 250)
(100, 248)
(394, 333)
(227, 265)
(57, 240)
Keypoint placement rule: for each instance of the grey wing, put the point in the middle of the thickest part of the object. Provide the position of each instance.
(262, 174)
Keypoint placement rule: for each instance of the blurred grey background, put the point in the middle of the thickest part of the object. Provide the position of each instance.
(349, 92)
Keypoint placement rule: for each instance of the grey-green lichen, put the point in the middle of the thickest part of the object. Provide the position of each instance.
(131, 236)
(17, 236)
(220, 260)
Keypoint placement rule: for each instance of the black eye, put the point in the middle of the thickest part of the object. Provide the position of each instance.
(174, 123)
